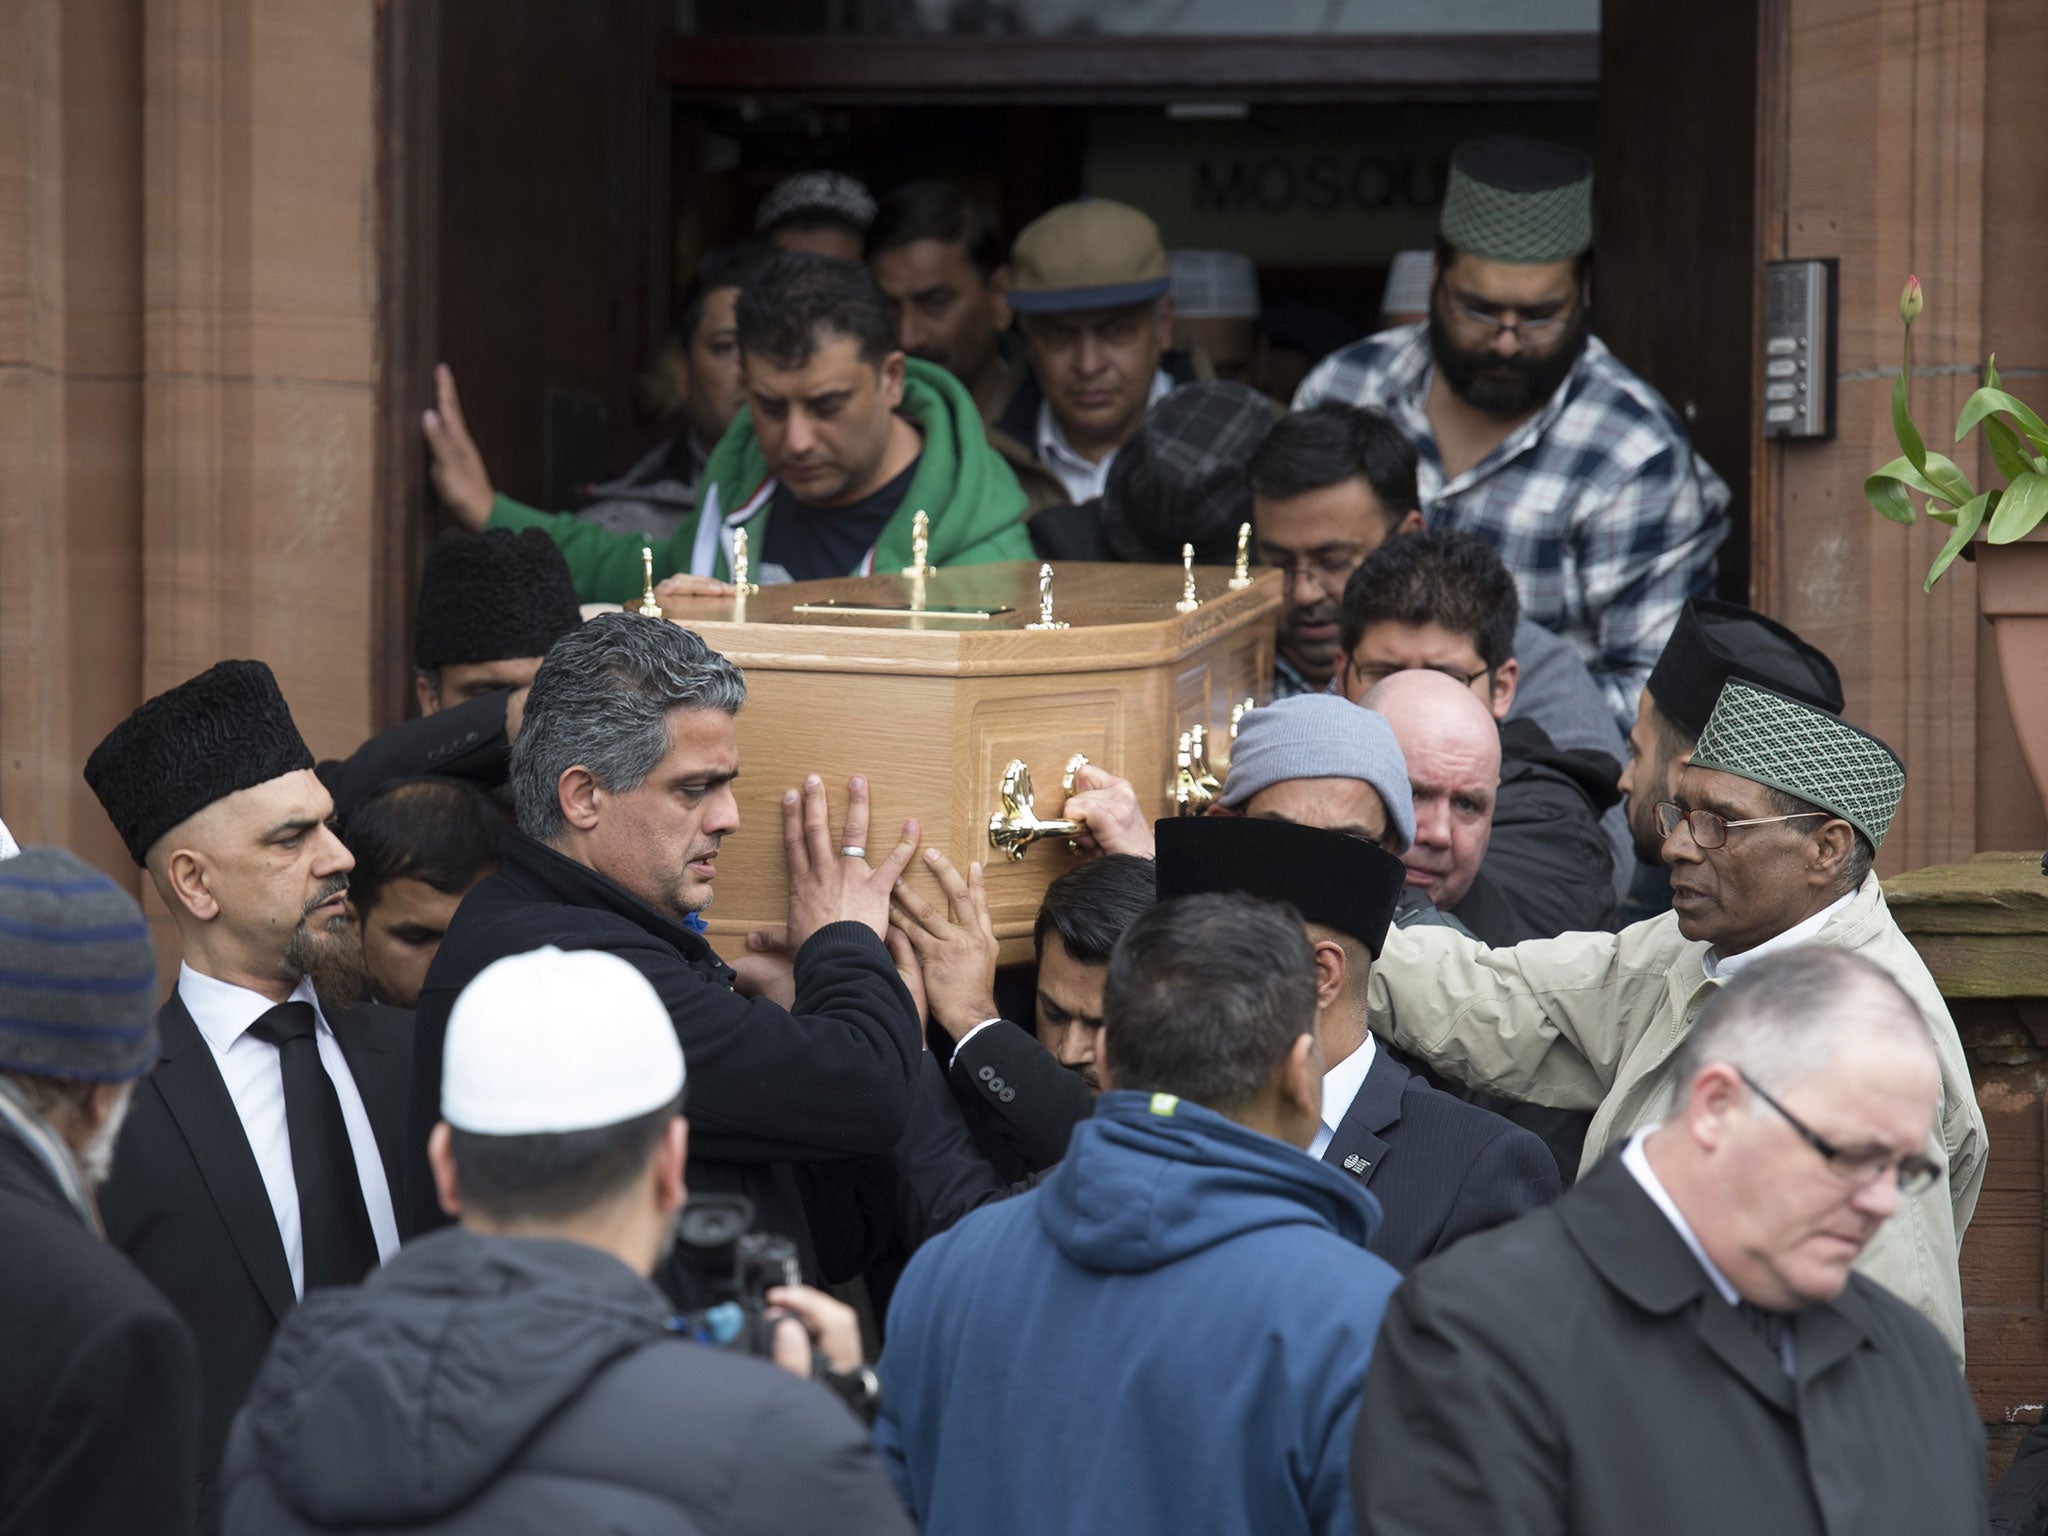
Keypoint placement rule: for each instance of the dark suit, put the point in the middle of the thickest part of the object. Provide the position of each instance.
(186, 1200)
(1021, 1104)
(1441, 1168)
(1576, 1371)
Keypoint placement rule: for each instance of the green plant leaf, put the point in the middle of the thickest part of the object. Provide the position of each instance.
(1968, 520)
(1887, 496)
(2007, 452)
(1991, 371)
(1902, 425)
(2021, 510)
(1984, 401)
(1944, 479)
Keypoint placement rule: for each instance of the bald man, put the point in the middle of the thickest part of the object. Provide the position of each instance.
(1452, 747)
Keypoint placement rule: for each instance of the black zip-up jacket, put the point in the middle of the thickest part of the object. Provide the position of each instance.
(783, 1105)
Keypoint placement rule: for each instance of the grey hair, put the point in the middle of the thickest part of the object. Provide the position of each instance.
(1782, 1019)
(601, 700)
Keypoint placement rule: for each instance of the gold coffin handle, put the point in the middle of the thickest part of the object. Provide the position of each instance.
(1014, 828)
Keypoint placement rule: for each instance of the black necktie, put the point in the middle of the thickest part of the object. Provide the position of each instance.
(334, 1224)
(1768, 1326)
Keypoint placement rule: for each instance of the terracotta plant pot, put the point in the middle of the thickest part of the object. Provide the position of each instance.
(2012, 592)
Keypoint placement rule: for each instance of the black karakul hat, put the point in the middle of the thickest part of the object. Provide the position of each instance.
(493, 596)
(1714, 642)
(225, 730)
(1331, 878)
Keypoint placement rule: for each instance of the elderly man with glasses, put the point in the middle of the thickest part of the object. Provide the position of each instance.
(1531, 433)
(1769, 841)
(1682, 1344)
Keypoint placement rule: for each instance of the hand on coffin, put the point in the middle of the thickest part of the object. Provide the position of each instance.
(768, 969)
(831, 882)
(911, 969)
(957, 948)
(679, 594)
(1108, 810)
(459, 476)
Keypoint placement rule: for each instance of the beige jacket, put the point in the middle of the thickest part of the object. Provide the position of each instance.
(1591, 1021)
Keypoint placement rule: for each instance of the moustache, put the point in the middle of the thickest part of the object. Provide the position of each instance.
(333, 886)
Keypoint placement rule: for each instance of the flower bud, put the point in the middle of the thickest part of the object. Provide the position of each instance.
(1910, 302)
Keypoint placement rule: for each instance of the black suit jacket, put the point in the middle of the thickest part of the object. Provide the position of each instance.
(1021, 1104)
(1441, 1168)
(1577, 1372)
(186, 1200)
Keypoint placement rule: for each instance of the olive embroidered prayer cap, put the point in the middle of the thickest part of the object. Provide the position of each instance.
(1767, 738)
(1518, 200)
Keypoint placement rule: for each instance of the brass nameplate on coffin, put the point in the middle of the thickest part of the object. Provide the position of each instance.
(832, 605)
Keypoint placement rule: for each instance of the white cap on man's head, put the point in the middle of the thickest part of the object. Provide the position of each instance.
(557, 1041)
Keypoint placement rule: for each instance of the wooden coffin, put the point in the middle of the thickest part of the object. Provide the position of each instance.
(934, 707)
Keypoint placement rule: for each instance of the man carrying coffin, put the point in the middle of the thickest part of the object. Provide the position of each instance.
(1769, 840)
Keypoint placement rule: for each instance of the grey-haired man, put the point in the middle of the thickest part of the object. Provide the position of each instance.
(622, 779)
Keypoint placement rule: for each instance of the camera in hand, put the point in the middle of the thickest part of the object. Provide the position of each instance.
(731, 1268)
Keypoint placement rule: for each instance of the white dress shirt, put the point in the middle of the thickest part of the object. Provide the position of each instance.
(1637, 1162)
(1720, 967)
(1340, 1086)
(255, 1082)
(1083, 479)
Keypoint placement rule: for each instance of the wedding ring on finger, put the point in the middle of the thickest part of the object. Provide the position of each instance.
(851, 852)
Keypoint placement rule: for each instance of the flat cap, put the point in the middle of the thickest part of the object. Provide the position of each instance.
(1330, 878)
(1321, 736)
(225, 730)
(492, 596)
(1518, 200)
(1714, 642)
(1184, 477)
(1789, 745)
(1087, 254)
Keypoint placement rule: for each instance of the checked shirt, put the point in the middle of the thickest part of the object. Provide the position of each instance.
(1597, 503)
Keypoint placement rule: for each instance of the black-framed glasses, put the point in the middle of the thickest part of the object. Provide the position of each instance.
(1711, 831)
(1857, 1168)
(1370, 673)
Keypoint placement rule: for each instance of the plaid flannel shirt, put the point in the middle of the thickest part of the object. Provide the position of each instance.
(1597, 503)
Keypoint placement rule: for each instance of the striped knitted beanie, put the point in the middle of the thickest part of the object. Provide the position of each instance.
(77, 972)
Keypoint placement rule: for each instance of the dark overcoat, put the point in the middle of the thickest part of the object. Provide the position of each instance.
(99, 1398)
(1577, 1372)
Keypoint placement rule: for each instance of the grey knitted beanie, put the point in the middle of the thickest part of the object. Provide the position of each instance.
(77, 972)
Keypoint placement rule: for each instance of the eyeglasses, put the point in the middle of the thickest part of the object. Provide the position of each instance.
(1329, 569)
(1537, 331)
(1370, 673)
(1711, 831)
(1858, 1169)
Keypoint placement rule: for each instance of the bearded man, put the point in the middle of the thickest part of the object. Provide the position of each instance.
(1529, 431)
(261, 1155)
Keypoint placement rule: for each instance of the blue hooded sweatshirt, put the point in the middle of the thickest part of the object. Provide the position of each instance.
(1168, 1335)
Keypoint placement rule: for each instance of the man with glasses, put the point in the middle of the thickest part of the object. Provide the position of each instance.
(1530, 432)
(1682, 1344)
(1769, 840)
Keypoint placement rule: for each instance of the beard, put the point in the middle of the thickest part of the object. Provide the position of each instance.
(1504, 386)
(96, 1157)
(329, 953)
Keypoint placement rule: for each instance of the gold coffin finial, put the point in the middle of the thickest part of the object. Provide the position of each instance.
(1237, 714)
(740, 565)
(650, 606)
(1045, 618)
(1191, 796)
(1014, 828)
(1241, 577)
(920, 548)
(1188, 601)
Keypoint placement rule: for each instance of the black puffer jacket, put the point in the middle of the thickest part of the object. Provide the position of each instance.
(512, 1385)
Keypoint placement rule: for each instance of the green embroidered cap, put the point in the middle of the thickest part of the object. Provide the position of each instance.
(1518, 200)
(1767, 738)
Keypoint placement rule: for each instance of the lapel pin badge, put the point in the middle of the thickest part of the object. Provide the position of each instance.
(1356, 1164)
